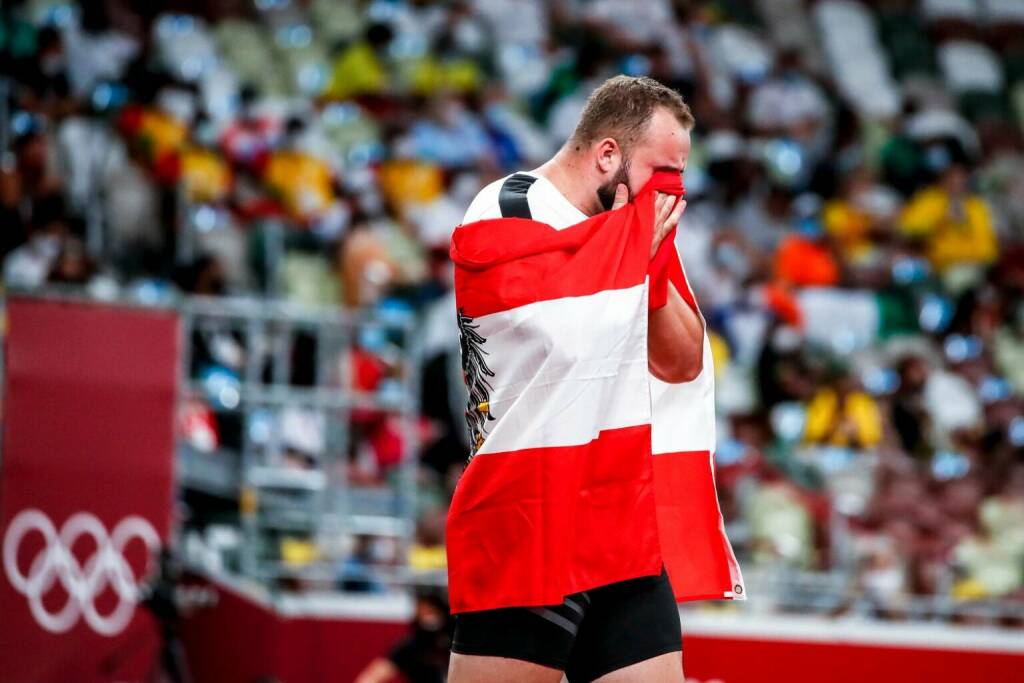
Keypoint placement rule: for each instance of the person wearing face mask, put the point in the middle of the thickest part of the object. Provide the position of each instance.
(29, 185)
(422, 655)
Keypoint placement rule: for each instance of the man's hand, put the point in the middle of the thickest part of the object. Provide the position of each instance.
(675, 333)
(667, 212)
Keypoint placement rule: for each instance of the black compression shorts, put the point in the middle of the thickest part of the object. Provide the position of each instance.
(589, 635)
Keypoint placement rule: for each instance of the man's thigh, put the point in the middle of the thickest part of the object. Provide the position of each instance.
(666, 668)
(534, 641)
(631, 627)
(479, 669)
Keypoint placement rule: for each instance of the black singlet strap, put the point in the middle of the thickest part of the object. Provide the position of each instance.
(512, 197)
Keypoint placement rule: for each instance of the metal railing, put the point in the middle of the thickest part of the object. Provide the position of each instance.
(838, 593)
(316, 504)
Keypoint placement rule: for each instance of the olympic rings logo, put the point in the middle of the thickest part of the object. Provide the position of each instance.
(55, 563)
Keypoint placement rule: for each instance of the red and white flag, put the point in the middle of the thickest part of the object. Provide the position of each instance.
(587, 470)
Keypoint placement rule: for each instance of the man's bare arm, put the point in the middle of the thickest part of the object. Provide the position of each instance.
(675, 340)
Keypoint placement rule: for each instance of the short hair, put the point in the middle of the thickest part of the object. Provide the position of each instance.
(622, 106)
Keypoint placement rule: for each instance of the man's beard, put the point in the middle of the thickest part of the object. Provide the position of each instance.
(606, 193)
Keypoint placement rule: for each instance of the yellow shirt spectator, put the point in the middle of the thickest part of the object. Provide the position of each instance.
(205, 175)
(427, 557)
(357, 71)
(410, 180)
(301, 182)
(856, 421)
(719, 352)
(849, 227)
(952, 236)
(162, 133)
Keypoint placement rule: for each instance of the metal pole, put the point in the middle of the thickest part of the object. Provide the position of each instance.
(410, 460)
(185, 252)
(273, 244)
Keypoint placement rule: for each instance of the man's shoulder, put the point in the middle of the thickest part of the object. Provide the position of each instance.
(503, 198)
(486, 203)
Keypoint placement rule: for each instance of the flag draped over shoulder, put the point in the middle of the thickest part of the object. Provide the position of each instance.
(586, 469)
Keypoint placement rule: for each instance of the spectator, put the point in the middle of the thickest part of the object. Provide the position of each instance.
(29, 265)
(205, 276)
(28, 181)
(909, 416)
(73, 265)
(954, 224)
(422, 656)
(356, 572)
(843, 415)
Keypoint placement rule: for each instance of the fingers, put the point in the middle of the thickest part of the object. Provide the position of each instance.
(664, 204)
(671, 221)
(668, 212)
(660, 210)
(621, 196)
(677, 213)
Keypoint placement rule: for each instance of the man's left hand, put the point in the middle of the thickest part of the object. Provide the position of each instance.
(667, 212)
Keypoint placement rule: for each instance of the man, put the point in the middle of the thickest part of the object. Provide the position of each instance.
(612, 154)
(631, 129)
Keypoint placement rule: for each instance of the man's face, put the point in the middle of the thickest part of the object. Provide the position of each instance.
(664, 146)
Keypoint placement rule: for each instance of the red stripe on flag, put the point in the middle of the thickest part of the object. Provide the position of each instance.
(510, 262)
(665, 268)
(689, 526)
(532, 526)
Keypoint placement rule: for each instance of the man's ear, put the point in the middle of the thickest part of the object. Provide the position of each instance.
(609, 156)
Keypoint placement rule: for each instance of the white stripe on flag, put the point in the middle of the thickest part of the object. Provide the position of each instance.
(566, 369)
(684, 414)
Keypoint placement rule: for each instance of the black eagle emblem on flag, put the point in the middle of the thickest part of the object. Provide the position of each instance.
(475, 373)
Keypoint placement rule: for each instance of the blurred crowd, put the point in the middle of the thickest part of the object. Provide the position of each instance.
(854, 233)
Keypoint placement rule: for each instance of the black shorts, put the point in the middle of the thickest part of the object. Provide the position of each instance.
(591, 634)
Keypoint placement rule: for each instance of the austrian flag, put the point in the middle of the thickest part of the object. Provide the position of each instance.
(586, 469)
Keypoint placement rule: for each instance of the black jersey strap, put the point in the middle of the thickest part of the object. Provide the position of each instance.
(512, 198)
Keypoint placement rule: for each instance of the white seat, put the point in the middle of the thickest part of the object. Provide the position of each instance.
(742, 53)
(968, 66)
(184, 45)
(945, 10)
(1004, 11)
(856, 58)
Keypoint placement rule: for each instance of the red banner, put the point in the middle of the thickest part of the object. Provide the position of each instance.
(724, 659)
(291, 644)
(85, 487)
(240, 640)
